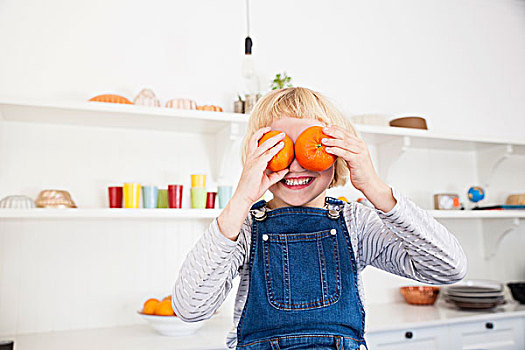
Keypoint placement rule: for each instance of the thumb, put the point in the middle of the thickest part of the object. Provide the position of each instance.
(277, 176)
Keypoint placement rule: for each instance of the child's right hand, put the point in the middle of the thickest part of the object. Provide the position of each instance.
(254, 182)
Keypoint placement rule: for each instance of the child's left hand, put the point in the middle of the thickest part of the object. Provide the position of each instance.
(355, 152)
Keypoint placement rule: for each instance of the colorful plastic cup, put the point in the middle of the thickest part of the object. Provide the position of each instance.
(150, 195)
(132, 195)
(115, 196)
(198, 180)
(224, 193)
(198, 197)
(162, 200)
(210, 200)
(175, 196)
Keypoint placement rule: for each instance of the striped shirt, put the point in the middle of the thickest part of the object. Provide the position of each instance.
(406, 241)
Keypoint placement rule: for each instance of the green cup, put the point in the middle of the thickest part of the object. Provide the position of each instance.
(162, 201)
(198, 197)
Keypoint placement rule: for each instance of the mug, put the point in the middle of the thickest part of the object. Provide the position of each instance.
(198, 197)
(150, 195)
(224, 193)
(132, 195)
(162, 201)
(198, 180)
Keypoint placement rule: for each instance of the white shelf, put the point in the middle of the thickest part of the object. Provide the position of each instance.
(477, 214)
(102, 114)
(101, 213)
(420, 138)
(113, 213)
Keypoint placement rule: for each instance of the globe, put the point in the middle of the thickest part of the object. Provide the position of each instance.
(475, 194)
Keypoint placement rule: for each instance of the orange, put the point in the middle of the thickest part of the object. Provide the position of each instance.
(150, 306)
(310, 152)
(284, 157)
(165, 309)
(343, 198)
(167, 297)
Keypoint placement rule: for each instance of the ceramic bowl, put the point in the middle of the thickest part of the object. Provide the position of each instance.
(420, 295)
(409, 122)
(171, 326)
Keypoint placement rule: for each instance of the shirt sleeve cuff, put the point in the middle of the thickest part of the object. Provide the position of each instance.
(395, 210)
(219, 237)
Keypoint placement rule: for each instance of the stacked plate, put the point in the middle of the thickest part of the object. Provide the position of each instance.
(475, 294)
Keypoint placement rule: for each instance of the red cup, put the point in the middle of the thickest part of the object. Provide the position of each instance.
(210, 200)
(115, 196)
(175, 196)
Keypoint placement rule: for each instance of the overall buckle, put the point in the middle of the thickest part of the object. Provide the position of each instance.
(259, 214)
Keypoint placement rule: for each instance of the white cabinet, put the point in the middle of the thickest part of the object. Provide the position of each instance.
(485, 334)
(500, 334)
(428, 338)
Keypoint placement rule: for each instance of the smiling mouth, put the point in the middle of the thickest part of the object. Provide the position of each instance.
(297, 183)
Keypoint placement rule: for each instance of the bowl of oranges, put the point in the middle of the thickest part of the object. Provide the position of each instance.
(161, 317)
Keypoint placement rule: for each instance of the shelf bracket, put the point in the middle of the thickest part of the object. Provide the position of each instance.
(494, 230)
(389, 152)
(225, 150)
(489, 159)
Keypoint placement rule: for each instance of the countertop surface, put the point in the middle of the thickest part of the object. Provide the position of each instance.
(212, 335)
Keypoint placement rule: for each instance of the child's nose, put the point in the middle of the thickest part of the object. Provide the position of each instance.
(295, 166)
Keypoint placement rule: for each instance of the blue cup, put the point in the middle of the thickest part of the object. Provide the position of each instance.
(224, 193)
(150, 195)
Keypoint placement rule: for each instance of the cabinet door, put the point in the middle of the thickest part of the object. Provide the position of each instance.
(500, 334)
(428, 338)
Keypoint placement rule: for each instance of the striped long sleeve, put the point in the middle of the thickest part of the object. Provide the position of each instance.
(409, 242)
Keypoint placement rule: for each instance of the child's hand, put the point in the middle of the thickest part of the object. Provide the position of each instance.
(254, 181)
(355, 152)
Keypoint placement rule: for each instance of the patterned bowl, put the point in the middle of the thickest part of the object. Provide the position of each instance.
(420, 295)
(17, 202)
(171, 325)
(54, 199)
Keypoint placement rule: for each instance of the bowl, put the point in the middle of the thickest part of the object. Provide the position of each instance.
(54, 199)
(409, 122)
(420, 295)
(171, 326)
(517, 289)
(17, 202)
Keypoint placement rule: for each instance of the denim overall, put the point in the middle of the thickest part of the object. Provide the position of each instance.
(303, 281)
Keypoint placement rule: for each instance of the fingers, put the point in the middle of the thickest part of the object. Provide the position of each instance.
(254, 140)
(277, 176)
(343, 153)
(349, 145)
(266, 145)
(268, 154)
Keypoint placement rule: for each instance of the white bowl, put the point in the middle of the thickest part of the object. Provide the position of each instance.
(171, 326)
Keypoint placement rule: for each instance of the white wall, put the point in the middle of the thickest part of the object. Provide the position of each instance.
(458, 63)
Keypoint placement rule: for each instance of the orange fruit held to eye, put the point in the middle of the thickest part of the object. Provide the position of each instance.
(310, 152)
(285, 156)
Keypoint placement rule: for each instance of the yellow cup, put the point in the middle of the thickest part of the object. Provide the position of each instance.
(198, 180)
(131, 195)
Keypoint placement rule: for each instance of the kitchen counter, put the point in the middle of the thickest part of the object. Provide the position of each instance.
(380, 317)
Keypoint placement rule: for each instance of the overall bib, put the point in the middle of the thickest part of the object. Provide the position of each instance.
(303, 281)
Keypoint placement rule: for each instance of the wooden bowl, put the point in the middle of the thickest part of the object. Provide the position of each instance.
(420, 295)
(409, 122)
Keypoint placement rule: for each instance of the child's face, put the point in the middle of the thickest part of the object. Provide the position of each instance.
(312, 193)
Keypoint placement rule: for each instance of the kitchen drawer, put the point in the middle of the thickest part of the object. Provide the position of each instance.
(427, 338)
(499, 334)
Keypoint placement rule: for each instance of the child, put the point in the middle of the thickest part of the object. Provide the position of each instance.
(301, 254)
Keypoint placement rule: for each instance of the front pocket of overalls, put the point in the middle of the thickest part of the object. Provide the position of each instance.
(302, 269)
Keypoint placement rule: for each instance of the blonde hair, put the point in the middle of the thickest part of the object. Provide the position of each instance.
(298, 102)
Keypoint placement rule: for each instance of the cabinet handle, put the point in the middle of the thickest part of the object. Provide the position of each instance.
(489, 325)
(409, 335)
